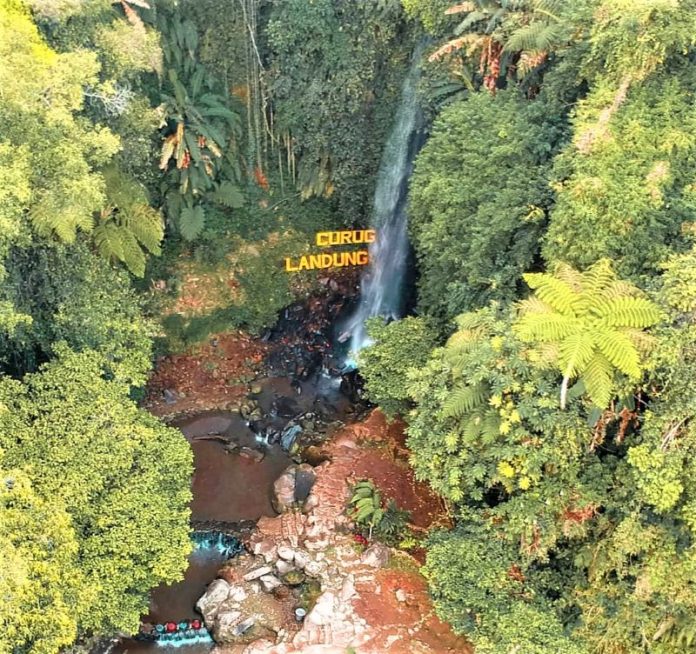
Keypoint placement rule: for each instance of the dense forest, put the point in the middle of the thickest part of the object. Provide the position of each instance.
(544, 373)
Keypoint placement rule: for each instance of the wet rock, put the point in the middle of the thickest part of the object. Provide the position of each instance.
(289, 436)
(304, 481)
(376, 556)
(284, 490)
(256, 389)
(286, 407)
(259, 572)
(250, 453)
(170, 397)
(209, 604)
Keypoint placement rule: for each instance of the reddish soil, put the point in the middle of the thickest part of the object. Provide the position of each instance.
(399, 599)
(382, 458)
(206, 377)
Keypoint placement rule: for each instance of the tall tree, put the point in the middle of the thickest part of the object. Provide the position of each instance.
(117, 472)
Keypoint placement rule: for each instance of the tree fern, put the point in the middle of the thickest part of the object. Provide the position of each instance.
(594, 321)
(128, 225)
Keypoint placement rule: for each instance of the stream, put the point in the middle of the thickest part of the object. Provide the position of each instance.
(233, 489)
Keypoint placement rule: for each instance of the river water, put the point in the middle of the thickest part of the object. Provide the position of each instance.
(227, 488)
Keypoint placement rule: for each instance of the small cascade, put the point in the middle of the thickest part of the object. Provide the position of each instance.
(382, 284)
(224, 544)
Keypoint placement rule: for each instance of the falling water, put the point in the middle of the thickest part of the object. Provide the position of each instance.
(382, 284)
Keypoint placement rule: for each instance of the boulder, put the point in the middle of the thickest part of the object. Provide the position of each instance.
(284, 567)
(284, 490)
(301, 559)
(304, 481)
(324, 610)
(209, 604)
(267, 549)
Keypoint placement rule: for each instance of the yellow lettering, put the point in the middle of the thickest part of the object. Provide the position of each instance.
(304, 263)
(288, 265)
(362, 257)
(323, 238)
(370, 236)
(326, 260)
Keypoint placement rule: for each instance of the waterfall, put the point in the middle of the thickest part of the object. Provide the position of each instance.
(381, 288)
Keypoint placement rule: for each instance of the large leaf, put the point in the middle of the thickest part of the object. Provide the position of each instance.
(191, 222)
(229, 194)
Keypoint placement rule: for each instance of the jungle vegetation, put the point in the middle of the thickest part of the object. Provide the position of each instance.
(546, 377)
(551, 215)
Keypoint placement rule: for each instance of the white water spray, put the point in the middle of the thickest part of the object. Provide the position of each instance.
(381, 292)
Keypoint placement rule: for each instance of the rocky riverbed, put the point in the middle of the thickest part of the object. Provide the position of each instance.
(279, 438)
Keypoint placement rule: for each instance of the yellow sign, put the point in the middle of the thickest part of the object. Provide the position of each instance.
(357, 236)
(335, 259)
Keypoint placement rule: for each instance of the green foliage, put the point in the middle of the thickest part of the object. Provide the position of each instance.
(397, 347)
(479, 198)
(39, 111)
(74, 296)
(498, 609)
(624, 186)
(38, 546)
(200, 131)
(504, 39)
(129, 226)
(334, 92)
(593, 324)
(120, 480)
(366, 507)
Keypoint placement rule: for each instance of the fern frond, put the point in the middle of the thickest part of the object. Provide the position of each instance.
(558, 294)
(598, 277)
(463, 400)
(576, 351)
(107, 238)
(544, 327)
(146, 224)
(133, 256)
(191, 222)
(536, 37)
(620, 351)
(230, 195)
(597, 377)
(629, 312)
